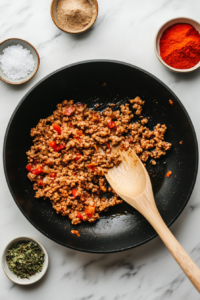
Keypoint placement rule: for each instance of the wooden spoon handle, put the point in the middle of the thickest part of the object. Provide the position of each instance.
(180, 255)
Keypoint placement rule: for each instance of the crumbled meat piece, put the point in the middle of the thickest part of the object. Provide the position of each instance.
(153, 162)
(144, 121)
(181, 142)
(31, 176)
(75, 232)
(69, 167)
(138, 104)
(145, 155)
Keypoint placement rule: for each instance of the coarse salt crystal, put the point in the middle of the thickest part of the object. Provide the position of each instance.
(16, 62)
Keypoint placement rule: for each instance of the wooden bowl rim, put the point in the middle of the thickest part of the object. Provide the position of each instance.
(26, 80)
(74, 32)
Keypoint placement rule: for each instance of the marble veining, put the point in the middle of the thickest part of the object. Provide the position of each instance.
(125, 31)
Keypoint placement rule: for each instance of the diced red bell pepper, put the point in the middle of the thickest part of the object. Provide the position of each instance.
(108, 145)
(80, 132)
(56, 147)
(60, 147)
(90, 210)
(40, 182)
(69, 111)
(79, 215)
(57, 128)
(53, 175)
(111, 123)
(92, 166)
(35, 161)
(53, 145)
(78, 156)
(74, 193)
(29, 167)
(37, 171)
(77, 138)
(95, 117)
(169, 173)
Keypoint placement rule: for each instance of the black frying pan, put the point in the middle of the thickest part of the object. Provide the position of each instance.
(121, 227)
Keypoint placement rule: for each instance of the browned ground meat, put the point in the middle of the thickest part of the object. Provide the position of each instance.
(65, 163)
(75, 232)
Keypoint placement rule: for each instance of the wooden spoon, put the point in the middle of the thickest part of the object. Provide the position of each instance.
(131, 182)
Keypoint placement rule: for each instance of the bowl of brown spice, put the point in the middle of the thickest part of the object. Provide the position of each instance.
(25, 260)
(74, 16)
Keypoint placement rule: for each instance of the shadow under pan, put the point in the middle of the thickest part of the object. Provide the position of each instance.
(121, 227)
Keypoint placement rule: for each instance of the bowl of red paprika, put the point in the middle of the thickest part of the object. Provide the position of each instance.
(177, 45)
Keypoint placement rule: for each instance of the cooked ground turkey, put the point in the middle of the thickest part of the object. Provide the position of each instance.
(75, 232)
(65, 163)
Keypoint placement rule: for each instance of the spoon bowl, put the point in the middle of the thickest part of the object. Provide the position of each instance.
(132, 185)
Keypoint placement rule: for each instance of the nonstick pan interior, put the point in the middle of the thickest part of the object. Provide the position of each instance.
(121, 227)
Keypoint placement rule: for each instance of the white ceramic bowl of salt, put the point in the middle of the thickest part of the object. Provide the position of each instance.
(8, 75)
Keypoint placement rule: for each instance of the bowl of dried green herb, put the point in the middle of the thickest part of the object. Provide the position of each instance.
(25, 260)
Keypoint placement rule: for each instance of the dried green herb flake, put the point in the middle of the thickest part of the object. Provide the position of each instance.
(25, 259)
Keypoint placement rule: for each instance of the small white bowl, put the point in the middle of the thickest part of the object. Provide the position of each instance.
(159, 34)
(33, 278)
(33, 51)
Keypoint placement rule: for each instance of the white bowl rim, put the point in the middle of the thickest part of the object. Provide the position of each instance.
(158, 55)
(20, 280)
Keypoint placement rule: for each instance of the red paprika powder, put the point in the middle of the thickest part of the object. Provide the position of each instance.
(180, 46)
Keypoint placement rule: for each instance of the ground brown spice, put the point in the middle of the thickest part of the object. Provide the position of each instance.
(74, 14)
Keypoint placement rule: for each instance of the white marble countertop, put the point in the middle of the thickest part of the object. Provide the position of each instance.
(124, 31)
